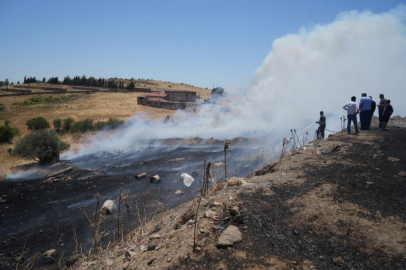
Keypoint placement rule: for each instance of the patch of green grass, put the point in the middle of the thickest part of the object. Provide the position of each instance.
(45, 100)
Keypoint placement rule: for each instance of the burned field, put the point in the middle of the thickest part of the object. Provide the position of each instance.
(46, 212)
(338, 205)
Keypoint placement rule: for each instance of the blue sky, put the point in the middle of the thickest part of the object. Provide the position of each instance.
(195, 42)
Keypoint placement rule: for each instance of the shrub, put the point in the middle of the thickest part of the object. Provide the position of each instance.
(7, 134)
(42, 145)
(68, 123)
(131, 85)
(99, 125)
(83, 126)
(58, 124)
(37, 123)
(114, 123)
(2, 107)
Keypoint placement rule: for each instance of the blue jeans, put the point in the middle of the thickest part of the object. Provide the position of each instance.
(365, 119)
(320, 132)
(353, 118)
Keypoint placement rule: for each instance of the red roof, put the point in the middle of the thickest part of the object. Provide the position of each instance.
(157, 100)
(156, 95)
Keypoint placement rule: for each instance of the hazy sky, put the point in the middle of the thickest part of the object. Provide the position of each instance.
(195, 42)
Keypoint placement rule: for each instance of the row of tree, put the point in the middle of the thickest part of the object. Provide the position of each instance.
(83, 81)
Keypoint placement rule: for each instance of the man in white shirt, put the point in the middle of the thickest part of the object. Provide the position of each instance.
(353, 110)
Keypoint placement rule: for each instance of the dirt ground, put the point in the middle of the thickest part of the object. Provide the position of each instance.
(338, 204)
(97, 106)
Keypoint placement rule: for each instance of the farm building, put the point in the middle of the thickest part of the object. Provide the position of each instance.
(172, 100)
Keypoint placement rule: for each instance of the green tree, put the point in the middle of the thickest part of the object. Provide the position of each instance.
(41, 145)
(112, 84)
(83, 126)
(37, 123)
(7, 133)
(44, 79)
(57, 124)
(131, 86)
(68, 123)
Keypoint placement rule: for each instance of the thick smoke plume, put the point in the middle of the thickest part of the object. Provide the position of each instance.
(316, 69)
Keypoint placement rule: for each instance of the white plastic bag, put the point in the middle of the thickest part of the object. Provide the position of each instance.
(187, 179)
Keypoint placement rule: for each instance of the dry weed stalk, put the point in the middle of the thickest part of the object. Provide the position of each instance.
(202, 191)
(225, 158)
(118, 211)
(139, 217)
(75, 238)
(31, 260)
(127, 206)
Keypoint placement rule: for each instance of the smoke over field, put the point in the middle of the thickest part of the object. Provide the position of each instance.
(318, 68)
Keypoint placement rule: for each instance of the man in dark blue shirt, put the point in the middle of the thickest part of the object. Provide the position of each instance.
(322, 125)
(373, 108)
(365, 114)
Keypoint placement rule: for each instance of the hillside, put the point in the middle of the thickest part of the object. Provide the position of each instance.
(338, 204)
(79, 105)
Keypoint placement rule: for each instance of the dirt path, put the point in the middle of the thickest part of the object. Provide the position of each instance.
(338, 205)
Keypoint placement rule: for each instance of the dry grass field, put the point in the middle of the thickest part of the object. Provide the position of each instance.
(97, 106)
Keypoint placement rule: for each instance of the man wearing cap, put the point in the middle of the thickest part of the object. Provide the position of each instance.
(365, 114)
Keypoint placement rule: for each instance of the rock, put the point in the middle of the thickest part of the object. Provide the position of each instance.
(155, 179)
(393, 159)
(295, 232)
(338, 260)
(152, 246)
(229, 236)
(151, 261)
(108, 207)
(210, 214)
(50, 255)
(179, 192)
(234, 211)
(169, 259)
(128, 255)
(125, 265)
(140, 175)
(72, 259)
(403, 174)
(234, 182)
(143, 248)
(155, 236)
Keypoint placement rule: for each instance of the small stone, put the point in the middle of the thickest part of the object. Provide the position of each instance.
(152, 246)
(72, 259)
(125, 265)
(295, 232)
(369, 183)
(143, 248)
(210, 214)
(50, 255)
(229, 236)
(393, 159)
(198, 248)
(151, 261)
(178, 192)
(128, 255)
(338, 260)
(234, 211)
(169, 259)
(403, 174)
(155, 236)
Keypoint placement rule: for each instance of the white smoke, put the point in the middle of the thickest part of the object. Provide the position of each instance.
(316, 69)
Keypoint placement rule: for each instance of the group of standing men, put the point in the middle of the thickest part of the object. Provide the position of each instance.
(366, 109)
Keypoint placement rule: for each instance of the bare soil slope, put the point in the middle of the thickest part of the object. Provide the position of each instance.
(339, 204)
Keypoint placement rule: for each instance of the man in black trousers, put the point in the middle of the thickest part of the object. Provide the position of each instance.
(373, 108)
(381, 106)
